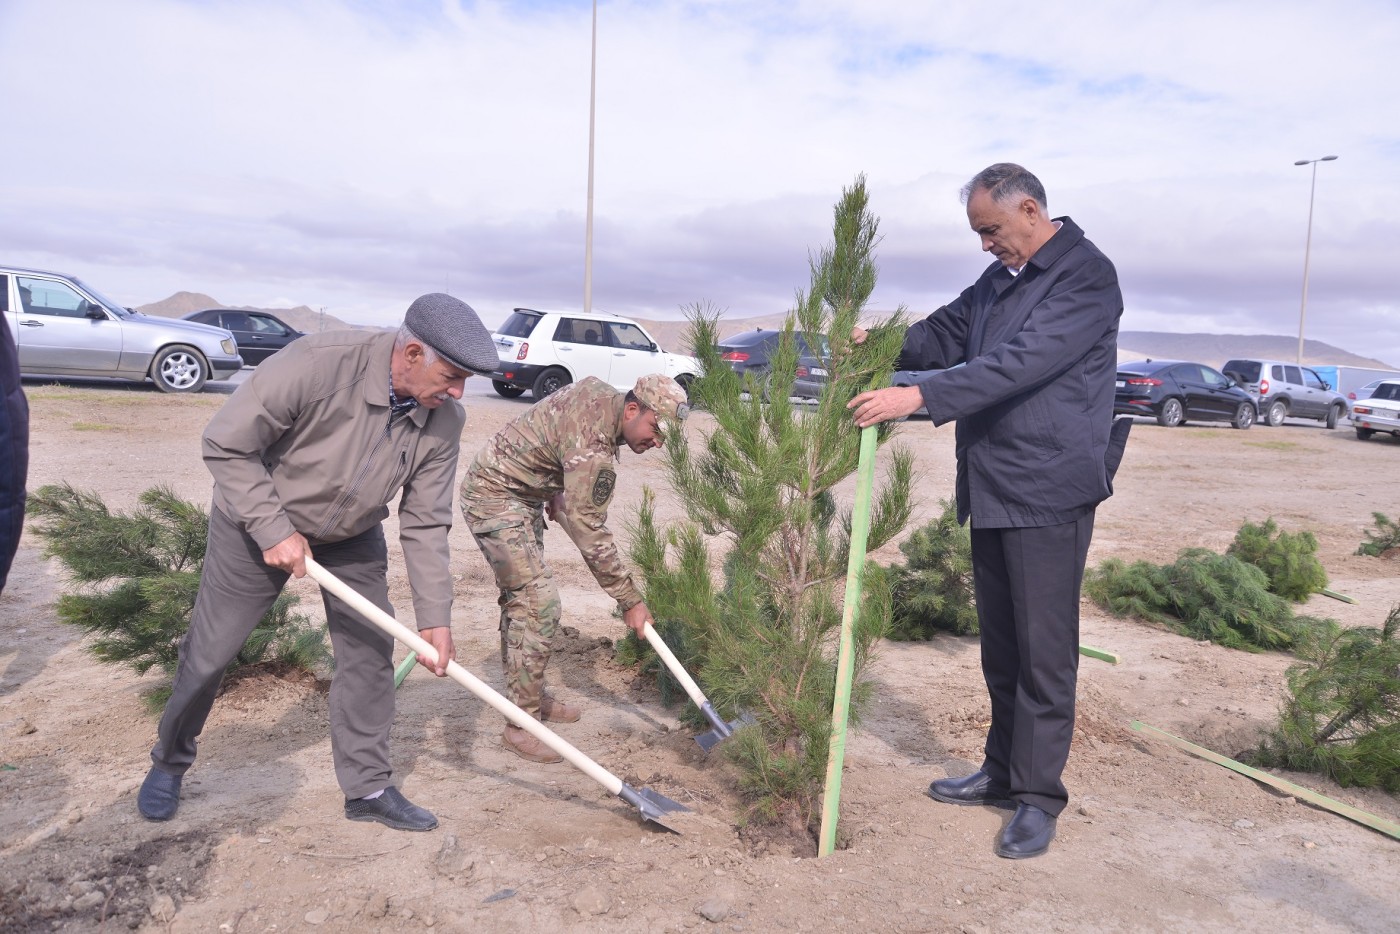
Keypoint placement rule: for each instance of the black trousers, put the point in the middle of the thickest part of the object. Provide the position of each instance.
(1027, 584)
(235, 590)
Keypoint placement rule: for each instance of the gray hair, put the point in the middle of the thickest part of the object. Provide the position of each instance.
(405, 335)
(1007, 182)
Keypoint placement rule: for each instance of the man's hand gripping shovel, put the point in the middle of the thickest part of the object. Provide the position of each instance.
(656, 808)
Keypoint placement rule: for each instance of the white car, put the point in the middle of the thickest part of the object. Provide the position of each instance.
(544, 351)
(1381, 412)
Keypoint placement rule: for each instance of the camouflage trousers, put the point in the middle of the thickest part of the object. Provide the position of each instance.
(512, 541)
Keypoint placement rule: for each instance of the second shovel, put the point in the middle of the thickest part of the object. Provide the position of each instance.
(722, 730)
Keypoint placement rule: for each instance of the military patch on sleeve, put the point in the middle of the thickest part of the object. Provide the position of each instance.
(603, 487)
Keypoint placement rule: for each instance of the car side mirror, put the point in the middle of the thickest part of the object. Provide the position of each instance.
(1326, 385)
(93, 311)
(652, 346)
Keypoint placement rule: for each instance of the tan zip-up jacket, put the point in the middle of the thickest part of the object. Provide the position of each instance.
(305, 445)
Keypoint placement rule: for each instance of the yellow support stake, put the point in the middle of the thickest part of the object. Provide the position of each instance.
(840, 708)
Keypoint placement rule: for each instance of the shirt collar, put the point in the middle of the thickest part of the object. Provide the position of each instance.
(1018, 270)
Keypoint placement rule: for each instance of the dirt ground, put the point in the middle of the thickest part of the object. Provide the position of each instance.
(1153, 839)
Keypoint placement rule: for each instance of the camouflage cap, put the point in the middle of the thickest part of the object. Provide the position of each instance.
(452, 328)
(662, 395)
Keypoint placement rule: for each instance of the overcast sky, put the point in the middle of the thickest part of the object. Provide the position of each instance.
(352, 154)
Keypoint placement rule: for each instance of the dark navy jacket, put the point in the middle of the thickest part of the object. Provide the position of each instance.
(1034, 401)
(14, 446)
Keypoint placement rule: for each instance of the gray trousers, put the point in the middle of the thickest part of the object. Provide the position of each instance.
(236, 589)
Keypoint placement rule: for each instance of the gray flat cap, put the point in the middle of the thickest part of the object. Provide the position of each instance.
(452, 328)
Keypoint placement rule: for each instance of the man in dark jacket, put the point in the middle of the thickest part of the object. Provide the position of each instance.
(14, 442)
(1036, 450)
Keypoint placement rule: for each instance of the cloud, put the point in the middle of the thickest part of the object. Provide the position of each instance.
(352, 155)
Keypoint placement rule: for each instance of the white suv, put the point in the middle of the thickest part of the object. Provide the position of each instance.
(544, 351)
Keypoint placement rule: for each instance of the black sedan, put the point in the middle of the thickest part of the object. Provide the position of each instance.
(752, 352)
(1174, 391)
(259, 334)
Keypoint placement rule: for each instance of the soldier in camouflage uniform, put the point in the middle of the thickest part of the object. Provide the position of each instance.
(558, 457)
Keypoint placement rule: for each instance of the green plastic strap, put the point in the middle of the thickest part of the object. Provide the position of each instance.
(840, 708)
(1298, 791)
(1100, 654)
(1337, 596)
(404, 668)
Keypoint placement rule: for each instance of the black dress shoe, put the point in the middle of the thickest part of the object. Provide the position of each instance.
(159, 795)
(391, 809)
(976, 788)
(1028, 834)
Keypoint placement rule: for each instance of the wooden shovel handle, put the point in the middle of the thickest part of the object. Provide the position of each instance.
(457, 673)
(691, 688)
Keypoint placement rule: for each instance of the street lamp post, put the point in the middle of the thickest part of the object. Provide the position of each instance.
(588, 224)
(1307, 249)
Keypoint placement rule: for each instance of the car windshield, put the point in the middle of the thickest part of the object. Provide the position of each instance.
(1246, 371)
(520, 324)
(115, 308)
(1387, 391)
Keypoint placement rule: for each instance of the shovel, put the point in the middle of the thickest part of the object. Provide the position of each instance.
(656, 808)
(722, 730)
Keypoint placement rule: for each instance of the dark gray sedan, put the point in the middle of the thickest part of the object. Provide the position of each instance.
(259, 334)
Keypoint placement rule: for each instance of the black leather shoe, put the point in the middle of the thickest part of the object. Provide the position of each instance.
(1028, 834)
(976, 788)
(391, 809)
(159, 795)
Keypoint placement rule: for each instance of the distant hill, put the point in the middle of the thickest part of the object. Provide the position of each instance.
(301, 317)
(1215, 349)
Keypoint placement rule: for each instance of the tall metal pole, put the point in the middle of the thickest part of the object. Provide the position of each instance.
(588, 229)
(1307, 249)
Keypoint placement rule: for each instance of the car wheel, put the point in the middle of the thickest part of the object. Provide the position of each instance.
(506, 389)
(549, 382)
(1274, 414)
(1365, 433)
(1171, 413)
(1334, 414)
(179, 369)
(684, 381)
(1244, 415)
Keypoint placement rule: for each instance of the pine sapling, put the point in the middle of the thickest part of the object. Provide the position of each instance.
(1384, 541)
(137, 576)
(1202, 594)
(932, 591)
(754, 577)
(1288, 558)
(1342, 715)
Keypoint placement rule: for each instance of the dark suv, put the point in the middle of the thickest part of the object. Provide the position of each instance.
(1283, 390)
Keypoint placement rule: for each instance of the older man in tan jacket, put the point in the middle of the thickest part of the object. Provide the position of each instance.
(305, 455)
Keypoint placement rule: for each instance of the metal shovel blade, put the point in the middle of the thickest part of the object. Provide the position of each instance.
(658, 809)
(722, 730)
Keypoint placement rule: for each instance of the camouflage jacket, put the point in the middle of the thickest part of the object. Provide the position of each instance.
(566, 443)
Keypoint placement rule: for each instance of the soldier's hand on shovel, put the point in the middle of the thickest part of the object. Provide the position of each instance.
(289, 554)
(554, 505)
(441, 639)
(637, 617)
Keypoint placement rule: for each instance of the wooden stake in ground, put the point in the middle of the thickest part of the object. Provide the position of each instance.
(1298, 791)
(855, 567)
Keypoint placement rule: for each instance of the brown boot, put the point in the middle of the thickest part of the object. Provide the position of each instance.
(556, 711)
(527, 746)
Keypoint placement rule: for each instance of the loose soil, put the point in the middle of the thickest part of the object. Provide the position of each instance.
(1153, 839)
